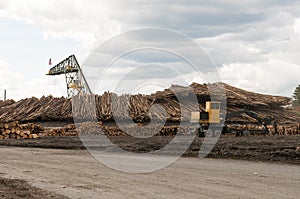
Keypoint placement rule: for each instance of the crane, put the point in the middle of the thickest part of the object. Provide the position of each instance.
(75, 80)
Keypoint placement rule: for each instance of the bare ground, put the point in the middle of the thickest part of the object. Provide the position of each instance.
(34, 172)
(17, 189)
(75, 174)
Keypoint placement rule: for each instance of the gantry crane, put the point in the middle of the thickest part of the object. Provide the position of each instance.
(75, 80)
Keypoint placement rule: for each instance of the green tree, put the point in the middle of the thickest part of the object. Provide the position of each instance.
(296, 96)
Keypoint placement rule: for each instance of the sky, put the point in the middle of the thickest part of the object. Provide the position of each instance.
(255, 44)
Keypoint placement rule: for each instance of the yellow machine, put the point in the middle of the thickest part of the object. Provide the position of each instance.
(211, 115)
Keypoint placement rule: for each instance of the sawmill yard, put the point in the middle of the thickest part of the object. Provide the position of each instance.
(40, 144)
(48, 123)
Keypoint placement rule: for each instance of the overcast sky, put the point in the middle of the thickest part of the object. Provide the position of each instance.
(255, 44)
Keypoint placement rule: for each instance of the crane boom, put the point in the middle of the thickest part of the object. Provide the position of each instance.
(75, 80)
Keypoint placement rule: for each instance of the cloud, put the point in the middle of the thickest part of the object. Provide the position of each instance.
(18, 86)
(272, 76)
(263, 58)
(9, 78)
(252, 42)
(84, 22)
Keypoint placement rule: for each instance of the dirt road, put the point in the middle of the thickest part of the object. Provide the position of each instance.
(76, 174)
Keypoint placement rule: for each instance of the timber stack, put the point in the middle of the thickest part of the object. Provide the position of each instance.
(97, 128)
(14, 130)
(160, 106)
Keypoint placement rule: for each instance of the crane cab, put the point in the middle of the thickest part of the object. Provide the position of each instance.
(75, 84)
(213, 110)
(211, 115)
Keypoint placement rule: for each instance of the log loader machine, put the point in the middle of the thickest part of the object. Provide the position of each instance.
(212, 115)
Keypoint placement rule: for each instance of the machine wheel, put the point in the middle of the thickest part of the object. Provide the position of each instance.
(239, 133)
(201, 132)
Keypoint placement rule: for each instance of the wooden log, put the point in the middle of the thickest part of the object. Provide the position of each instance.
(12, 136)
(18, 131)
(21, 133)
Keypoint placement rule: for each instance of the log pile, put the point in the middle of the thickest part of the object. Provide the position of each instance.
(292, 129)
(140, 108)
(14, 130)
(69, 130)
(92, 128)
(34, 109)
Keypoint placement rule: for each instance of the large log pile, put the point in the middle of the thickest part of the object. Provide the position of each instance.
(34, 109)
(138, 107)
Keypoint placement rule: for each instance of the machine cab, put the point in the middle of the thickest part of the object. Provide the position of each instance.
(210, 115)
(213, 110)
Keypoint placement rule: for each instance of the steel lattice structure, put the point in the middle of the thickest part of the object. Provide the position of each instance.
(75, 80)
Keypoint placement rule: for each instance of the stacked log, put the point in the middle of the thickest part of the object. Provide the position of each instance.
(105, 106)
(140, 108)
(34, 109)
(14, 130)
(136, 131)
(97, 128)
(292, 129)
(141, 130)
(68, 130)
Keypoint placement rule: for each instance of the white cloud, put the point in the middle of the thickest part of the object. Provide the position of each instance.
(253, 42)
(271, 76)
(8, 79)
(263, 58)
(85, 22)
(18, 86)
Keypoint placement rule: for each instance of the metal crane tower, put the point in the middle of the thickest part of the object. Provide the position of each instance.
(75, 80)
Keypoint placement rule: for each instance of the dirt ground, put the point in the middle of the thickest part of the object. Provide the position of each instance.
(17, 189)
(75, 174)
(254, 148)
(42, 168)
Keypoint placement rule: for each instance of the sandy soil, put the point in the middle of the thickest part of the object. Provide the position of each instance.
(75, 174)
